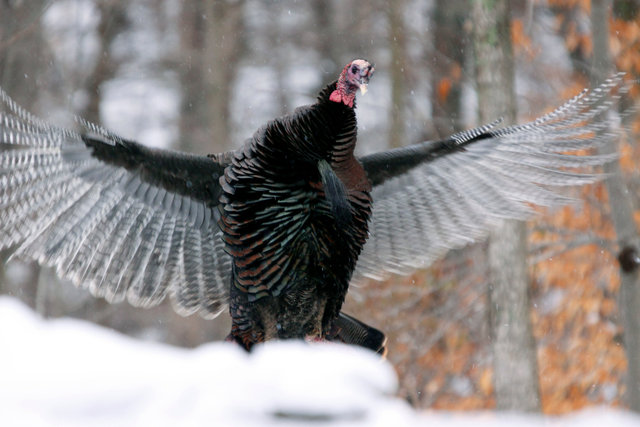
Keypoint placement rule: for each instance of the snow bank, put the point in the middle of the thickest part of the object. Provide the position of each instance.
(72, 373)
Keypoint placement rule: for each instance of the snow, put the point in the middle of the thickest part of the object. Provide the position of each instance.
(71, 373)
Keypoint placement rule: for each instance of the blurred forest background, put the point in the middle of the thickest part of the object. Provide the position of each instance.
(202, 76)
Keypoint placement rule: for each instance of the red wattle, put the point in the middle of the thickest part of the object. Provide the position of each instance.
(339, 96)
(335, 96)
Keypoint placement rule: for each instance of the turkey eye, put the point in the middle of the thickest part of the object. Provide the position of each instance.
(354, 69)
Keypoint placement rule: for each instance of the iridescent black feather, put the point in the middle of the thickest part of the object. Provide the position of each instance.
(293, 227)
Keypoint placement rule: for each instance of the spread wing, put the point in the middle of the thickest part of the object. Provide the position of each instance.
(113, 216)
(434, 196)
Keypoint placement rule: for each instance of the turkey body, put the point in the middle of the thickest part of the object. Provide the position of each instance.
(293, 245)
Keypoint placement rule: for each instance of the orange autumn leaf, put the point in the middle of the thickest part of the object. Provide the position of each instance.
(521, 41)
(485, 382)
(444, 88)
(627, 162)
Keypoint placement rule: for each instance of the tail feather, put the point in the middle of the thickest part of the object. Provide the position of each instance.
(350, 330)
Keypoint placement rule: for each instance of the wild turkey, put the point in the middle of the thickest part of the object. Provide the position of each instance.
(278, 228)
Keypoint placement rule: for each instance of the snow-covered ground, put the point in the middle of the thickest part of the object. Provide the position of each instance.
(71, 373)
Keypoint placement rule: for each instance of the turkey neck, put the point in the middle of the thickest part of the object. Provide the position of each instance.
(339, 152)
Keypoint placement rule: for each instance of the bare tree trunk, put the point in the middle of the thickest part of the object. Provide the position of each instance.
(278, 61)
(211, 48)
(621, 213)
(222, 54)
(113, 20)
(398, 75)
(447, 66)
(20, 47)
(514, 354)
(327, 45)
(193, 132)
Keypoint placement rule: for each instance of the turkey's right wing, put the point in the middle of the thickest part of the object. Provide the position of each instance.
(431, 197)
(112, 215)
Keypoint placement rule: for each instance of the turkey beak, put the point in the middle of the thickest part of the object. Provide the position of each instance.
(365, 75)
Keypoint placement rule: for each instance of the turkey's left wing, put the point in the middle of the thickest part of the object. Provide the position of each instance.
(431, 197)
(121, 219)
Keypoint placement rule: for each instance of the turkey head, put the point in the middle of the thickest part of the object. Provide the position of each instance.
(354, 76)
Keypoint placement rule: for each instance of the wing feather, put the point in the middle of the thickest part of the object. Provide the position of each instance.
(435, 196)
(123, 220)
(152, 288)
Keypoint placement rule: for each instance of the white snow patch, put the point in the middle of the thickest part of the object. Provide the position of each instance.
(71, 373)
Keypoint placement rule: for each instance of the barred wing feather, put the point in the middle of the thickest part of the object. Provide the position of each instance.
(431, 197)
(123, 220)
